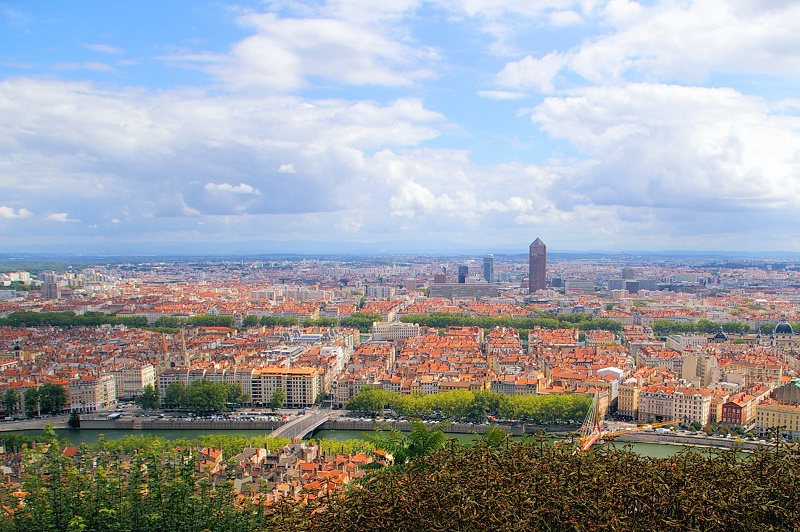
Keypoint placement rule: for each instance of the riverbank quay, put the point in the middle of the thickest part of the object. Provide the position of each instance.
(692, 440)
(57, 422)
(366, 425)
(369, 425)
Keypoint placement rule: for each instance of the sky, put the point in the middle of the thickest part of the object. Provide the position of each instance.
(399, 126)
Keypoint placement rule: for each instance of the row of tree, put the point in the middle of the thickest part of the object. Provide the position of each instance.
(69, 319)
(19, 287)
(45, 399)
(229, 442)
(201, 320)
(662, 327)
(203, 395)
(363, 322)
(474, 406)
(583, 322)
(358, 320)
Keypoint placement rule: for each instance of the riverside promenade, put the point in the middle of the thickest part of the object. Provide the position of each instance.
(293, 425)
(57, 422)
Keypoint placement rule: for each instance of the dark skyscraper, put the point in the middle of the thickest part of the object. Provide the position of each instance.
(488, 268)
(537, 266)
(463, 273)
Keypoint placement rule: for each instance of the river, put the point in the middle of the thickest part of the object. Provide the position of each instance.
(76, 437)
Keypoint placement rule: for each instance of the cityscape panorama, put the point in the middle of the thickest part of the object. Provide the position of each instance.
(281, 374)
(411, 265)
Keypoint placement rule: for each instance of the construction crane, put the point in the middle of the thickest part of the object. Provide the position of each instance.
(607, 434)
(591, 431)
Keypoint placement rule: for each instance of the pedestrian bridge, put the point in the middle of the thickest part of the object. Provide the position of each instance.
(301, 426)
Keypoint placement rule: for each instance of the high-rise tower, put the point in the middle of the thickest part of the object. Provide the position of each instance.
(537, 266)
(488, 268)
(51, 289)
(463, 273)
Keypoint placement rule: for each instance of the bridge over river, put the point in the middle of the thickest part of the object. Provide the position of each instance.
(302, 425)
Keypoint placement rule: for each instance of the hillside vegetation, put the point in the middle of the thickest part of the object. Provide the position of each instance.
(534, 486)
(498, 484)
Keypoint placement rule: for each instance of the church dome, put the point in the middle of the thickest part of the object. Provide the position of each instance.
(783, 328)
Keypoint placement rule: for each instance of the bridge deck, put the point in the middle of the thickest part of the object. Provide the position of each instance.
(301, 426)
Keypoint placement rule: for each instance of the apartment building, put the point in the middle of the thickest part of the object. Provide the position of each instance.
(665, 403)
(130, 380)
(302, 385)
(771, 415)
(655, 404)
(628, 400)
(392, 331)
(89, 393)
(660, 358)
(739, 410)
(692, 404)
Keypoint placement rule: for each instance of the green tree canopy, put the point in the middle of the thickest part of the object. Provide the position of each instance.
(175, 395)
(171, 322)
(369, 400)
(583, 322)
(406, 447)
(31, 402)
(275, 321)
(235, 394)
(74, 421)
(250, 320)
(704, 326)
(202, 395)
(360, 320)
(206, 396)
(475, 406)
(207, 320)
(10, 400)
(320, 322)
(149, 398)
(68, 319)
(52, 398)
(278, 399)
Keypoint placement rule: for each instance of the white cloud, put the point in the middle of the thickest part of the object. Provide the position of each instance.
(104, 48)
(241, 188)
(666, 147)
(502, 95)
(532, 73)
(376, 110)
(286, 52)
(350, 225)
(90, 65)
(10, 213)
(494, 10)
(186, 154)
(60, 217)
(689, 41)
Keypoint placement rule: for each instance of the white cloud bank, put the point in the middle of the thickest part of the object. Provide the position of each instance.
(625, 146)
(10, 213)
